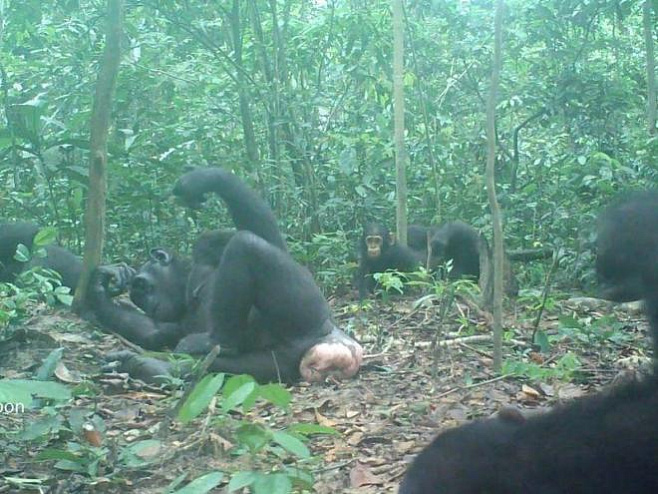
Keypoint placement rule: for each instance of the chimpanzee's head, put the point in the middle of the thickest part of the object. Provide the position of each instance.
(376, 240)
(159, 286)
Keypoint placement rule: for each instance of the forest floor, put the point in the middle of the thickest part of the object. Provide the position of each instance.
(404, 395)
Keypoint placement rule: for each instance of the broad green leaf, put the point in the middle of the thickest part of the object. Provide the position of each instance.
(241, 480)
(291, 444)
(202, 484)
(200, 397)
(276, 394)
(46, 236)
(272, 483)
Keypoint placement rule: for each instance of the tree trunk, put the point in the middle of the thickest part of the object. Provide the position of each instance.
(100, 123)
(491, 191)
(245, 110)
(651, 68)
(398, 106)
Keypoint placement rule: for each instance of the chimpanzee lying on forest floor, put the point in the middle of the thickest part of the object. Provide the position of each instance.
(606, 443)
(57, 258)
(242, 291)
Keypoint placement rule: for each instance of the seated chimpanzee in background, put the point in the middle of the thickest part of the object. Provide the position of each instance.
(57, 258)
(379, 252)
(460, 243)
(242, 291)
(606, 443)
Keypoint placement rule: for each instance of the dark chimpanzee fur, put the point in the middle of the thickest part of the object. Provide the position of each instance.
(620, 267)
(460, 243)
(68, 265)
(379, 252)
(243, 291)
(419, 237)
(602, 444)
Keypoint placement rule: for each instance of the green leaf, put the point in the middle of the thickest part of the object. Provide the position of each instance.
(200, 397)
(46, 236)
(42, 428)
(253, 436)
(22, 390)
(241, 480)
(541, 340)
(237, 390)
(47, 368)
(275, 394)
(309, 429)
(22, 253)
(202, 484)
(57, 454)
(291, 444)
(273, 483)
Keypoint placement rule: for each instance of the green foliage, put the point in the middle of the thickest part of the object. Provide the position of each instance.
(23, 390)
(570, 119)
(33, 284)
(240, 394)
(564, 368)
(202, 484)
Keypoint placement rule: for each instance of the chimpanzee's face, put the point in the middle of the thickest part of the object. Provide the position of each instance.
(374, 244)
(159, 287)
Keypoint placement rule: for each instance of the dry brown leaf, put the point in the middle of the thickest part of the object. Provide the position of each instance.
(403, 447)
(355, 439)
(531, 392)
(92, 435)
(65, 375)
(361, 475)
(322, 420)
(150, 451)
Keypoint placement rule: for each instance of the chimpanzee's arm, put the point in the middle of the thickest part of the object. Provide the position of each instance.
(123, 319)
(248, 210)
(365, 281)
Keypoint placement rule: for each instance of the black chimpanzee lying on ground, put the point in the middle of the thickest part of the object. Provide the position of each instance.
(242, 291)
(57, 258)
(601, 444)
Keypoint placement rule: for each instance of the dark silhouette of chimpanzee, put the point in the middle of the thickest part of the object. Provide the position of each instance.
(601, 444)
(249, 296)
(378, 252)
(460, 243)
(57, 258)
(620, 268)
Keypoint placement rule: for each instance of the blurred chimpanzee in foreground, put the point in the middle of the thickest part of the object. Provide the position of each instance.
(602, 444)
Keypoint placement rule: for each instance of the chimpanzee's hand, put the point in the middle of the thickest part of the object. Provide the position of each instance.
(113, 279)
(192, 187)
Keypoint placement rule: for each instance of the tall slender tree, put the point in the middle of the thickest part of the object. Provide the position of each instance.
(647, 16)
(398, 108)
(100, 123)
(496, 218)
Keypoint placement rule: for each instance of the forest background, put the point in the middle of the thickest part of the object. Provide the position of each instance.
(296, 96)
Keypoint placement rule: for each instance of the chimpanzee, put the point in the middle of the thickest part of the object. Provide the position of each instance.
(461, 243)
(419, 237)
(57, 258)
(378, 252)
(605, 443)
(253, 299)
(620, 267)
